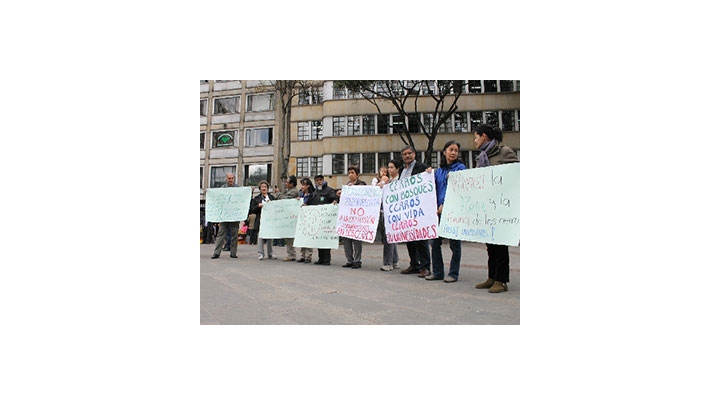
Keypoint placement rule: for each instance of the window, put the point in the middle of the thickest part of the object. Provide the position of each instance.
(338, 163)
(260, 102)
(201, 170)
(254, 174)
(203, 107)
(202, 140)
(226, 105)
(313, 95)
(383, 123)
(475, 86)
(303, 167)
(258, 136)
(491, 118)
(446, 126)
(353, 159)
(490, 86)
(338, 92)
(338, 126)
(223, 138)
(507, 119)
(428, 87)
(506, 85)
(428, 121)
(398, 123)
(309, 166)
(354, 125)
(461, 123)
(368, 123)
(368, 163)
(414, 123)
(217, 175)
(309, 130)
(384, 158)
(476, 118)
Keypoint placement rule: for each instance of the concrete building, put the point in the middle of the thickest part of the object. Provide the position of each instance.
(332, 129)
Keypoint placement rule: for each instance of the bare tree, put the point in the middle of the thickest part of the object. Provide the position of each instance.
(286, 91)
(405, 96)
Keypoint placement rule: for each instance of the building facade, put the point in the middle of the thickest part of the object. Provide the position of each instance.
(332, 128)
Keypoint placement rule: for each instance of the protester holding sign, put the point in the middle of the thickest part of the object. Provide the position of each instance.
(417, 250)
(449, 162)
(492, 152)
(352, 247)
(306, 190)
(323, 194)
(390, 253)
(256, 208)
(291, 191)
(226, 228)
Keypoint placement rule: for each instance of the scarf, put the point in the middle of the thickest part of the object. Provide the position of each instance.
(482, 159)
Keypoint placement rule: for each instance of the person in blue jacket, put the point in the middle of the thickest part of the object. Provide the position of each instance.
(449, 162)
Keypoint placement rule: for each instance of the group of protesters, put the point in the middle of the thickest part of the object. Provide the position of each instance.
(426, 258)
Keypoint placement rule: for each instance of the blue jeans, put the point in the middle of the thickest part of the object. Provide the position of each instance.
(437, 259)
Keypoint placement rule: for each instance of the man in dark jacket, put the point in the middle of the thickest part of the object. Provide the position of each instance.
(323, 194)
(417, 250)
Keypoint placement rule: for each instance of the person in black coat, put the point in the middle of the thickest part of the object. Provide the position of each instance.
(323, 194)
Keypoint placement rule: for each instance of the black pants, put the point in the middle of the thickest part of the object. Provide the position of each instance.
(498, 263)
(324, 255)
(419, 253)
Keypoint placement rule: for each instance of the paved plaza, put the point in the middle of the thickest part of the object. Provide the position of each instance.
(248, 291)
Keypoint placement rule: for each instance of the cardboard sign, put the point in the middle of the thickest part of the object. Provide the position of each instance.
(483, 205)
(227, 204)
(359, 212)
(410, 209)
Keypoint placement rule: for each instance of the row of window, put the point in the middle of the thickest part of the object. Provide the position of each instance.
(314, 95)
(253, 175)
(507, 120)
(231, 105)
(403, 87)
(369, 163)
(226, 138)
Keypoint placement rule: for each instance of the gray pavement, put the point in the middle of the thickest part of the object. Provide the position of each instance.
(248, 291)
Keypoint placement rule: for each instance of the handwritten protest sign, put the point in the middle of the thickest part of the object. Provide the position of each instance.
(359, 212)
(227, 204)
(316, 227)
(279, 218)
(410, 208)
(483, 205)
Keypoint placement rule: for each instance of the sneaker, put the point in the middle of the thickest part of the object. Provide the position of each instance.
(386, 268)
(433, 277)
(395, 266)
(356, 265)
(272, 257)
(215, 256)
(289, 259)
(261, 257)
(411, 270)
(450, 279)
(348, 264)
